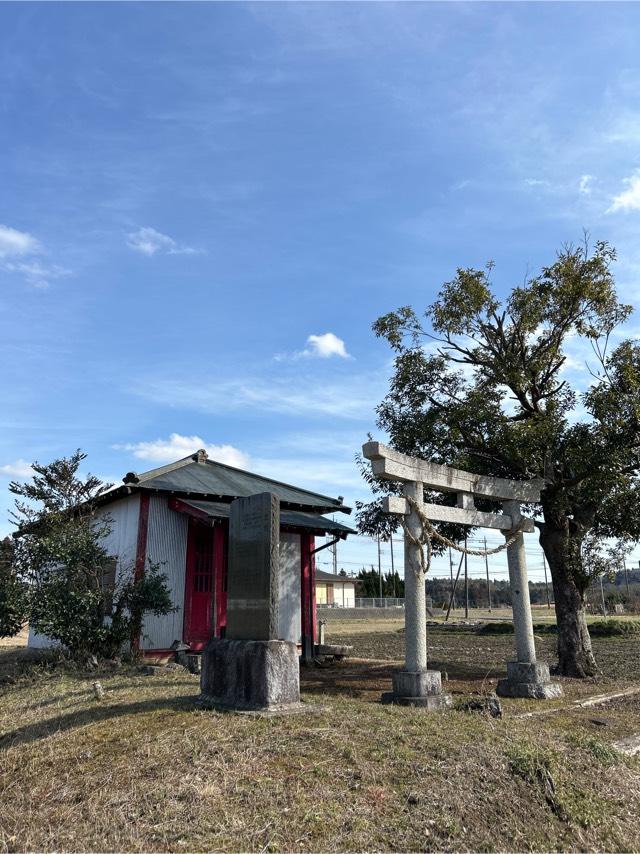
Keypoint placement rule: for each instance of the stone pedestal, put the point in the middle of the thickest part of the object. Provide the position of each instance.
(529, 680)
(248, 675)
(421, 688)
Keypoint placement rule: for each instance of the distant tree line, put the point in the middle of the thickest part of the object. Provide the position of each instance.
(617, 588)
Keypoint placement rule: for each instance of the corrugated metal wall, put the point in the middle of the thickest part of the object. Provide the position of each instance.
(166, 545)
(123, 538)
(290, 588)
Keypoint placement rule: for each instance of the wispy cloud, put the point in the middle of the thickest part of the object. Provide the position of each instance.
(17, 251)
(178, 446)
(35, 273)
(629, 199)
(20, 469)
(584, 185)
(149, 242)
(353, 398)
(318, 346)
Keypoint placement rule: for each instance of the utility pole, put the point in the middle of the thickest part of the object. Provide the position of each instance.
(466, 581)
(393, 568)
(334, 549)
(546, 582)
(486, 563)
(453, 589)
(626, 574)
(604, 607)
(379, 567)
(453, 592)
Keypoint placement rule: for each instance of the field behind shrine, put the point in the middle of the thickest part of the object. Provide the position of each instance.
(143, 769)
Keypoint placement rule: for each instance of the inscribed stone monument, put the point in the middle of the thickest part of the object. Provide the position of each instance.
(254, 568)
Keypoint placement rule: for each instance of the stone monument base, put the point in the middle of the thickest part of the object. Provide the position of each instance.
(422, 688)
(249, 675)
(528, 680)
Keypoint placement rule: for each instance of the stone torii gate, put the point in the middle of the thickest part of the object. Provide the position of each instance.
(416, 685)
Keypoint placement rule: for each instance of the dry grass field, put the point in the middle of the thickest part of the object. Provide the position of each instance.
(143, 769)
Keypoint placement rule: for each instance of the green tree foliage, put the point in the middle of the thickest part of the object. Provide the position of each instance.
(368, 584)
(479, 384)
(78, 597)
(14, 594)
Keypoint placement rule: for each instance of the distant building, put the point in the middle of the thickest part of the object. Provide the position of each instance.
(178, 516)
(338, 591)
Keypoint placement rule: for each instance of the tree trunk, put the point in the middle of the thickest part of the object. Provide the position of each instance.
(575, 656)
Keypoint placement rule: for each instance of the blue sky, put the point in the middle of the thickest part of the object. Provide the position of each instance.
(205, 206)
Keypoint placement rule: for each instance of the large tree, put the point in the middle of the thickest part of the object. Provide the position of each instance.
(481, 382)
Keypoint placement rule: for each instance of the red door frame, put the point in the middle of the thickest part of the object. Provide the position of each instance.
(217, 613)
(195, 530)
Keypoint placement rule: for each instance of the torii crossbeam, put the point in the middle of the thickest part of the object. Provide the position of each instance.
(416, 685)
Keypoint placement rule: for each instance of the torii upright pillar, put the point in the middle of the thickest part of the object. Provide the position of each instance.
(415, 684)
(526, 677)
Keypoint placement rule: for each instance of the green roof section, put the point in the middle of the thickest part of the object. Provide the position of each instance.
(197, 475)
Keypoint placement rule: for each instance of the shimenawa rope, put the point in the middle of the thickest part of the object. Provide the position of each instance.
(429, 533)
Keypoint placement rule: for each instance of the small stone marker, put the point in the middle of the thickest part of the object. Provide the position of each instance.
(251, 669)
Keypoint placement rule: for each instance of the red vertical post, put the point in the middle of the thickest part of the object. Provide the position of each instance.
(312, 584)
(307, 597)
(141, 545)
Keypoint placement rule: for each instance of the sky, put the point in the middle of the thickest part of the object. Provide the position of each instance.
(204, 207)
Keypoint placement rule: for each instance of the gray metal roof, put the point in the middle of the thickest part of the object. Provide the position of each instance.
(321, 575)
(198, 476)
(288, 518)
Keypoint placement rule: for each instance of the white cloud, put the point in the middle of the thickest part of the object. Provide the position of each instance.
(629, 199)
(148, 241)
(585, 184)
(177, 446)
(15, 244)
(325, 346)
(20, 468)
(318, 346)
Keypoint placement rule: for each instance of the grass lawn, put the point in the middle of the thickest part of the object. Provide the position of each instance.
(144, 769)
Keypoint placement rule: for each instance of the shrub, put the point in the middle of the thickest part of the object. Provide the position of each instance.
(14, 594)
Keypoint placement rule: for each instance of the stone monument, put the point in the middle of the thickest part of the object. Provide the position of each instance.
(251, 669)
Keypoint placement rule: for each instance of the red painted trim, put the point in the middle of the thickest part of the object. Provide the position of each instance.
(312, 582)
(220, 562)
(308, 594)
(181, 507)
(141, 546)
(143, 530)
(305, 570)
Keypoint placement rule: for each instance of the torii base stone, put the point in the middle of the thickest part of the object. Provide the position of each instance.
(420, 688)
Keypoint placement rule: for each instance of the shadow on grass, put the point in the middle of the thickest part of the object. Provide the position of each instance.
(367, 680)
(96, 714)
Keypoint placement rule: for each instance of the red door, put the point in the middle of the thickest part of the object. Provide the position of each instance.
(199, 620)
